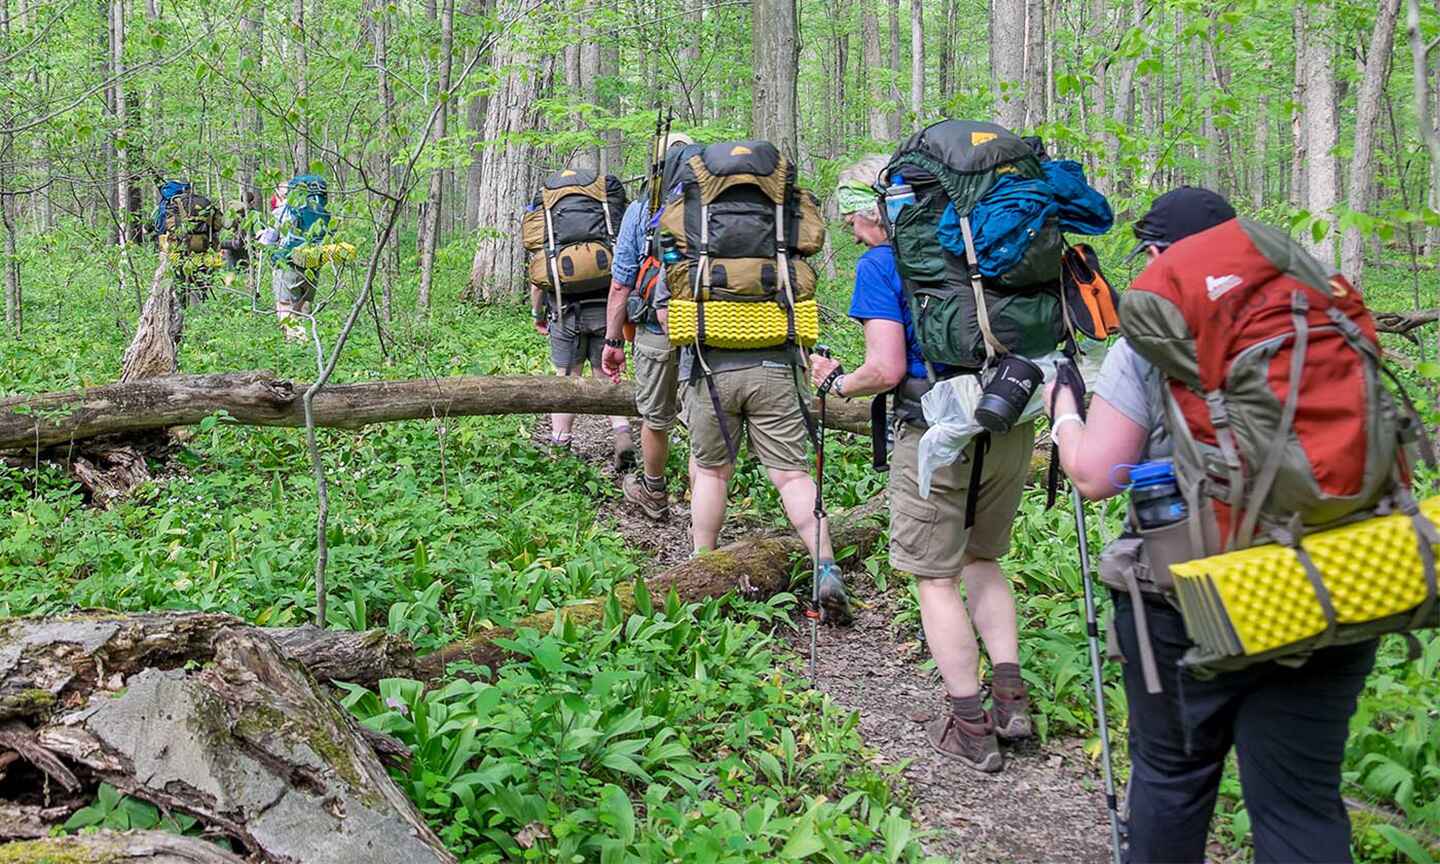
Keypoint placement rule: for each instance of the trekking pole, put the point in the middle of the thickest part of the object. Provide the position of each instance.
(814, 613)
(1092, 630)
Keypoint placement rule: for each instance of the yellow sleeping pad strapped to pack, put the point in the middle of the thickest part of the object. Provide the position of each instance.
(733, 324)
(312, 256)
(1259, 600)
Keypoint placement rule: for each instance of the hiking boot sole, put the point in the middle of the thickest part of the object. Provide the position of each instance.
(990, 764)
(1015, 729)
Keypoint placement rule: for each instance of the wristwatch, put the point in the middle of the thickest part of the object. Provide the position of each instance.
(614, 343)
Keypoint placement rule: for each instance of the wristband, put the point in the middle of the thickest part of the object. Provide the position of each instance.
(829, 383)
(614, 343)
(838, 388)
(1061, 421)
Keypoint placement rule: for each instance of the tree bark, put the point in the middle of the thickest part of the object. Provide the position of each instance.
(430, 236)
(875, 113)
(509, 164)
(1262, 143)
(302, 84)
(1367, 117)
(14, 306)
(775, 47)
(897, 102)
(218, 724)
(1300, 148)
(1322, 130)
(123, 227)
(947, 39)
(153, 350)
(917, 62)
(252, 49)
(1034, 63)
(259, 399)
(1007, 64)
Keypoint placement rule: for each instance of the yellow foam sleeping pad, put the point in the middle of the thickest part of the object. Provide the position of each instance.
(189, 262)
(730, 324)
(1258, 600)
(311, 257)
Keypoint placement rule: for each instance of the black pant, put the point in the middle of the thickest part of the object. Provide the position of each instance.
(1288, 727)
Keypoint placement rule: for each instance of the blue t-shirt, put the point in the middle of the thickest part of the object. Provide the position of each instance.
(879, 295)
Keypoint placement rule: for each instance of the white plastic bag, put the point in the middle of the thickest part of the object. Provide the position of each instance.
(950, 410)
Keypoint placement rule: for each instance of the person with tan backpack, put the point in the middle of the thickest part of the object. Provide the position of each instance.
(569, 232)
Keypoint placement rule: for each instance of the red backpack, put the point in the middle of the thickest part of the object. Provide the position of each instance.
(1274, 401)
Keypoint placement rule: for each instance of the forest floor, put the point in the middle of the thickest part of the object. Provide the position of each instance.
(1046, 806)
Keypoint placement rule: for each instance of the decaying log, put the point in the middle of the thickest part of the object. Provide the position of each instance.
(33, 821)
(343, 655)
(152, 351)
(259, 398)
(757, 567)
(201, 716)
(109, 847)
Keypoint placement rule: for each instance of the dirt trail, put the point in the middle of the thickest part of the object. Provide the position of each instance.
(1046, 806)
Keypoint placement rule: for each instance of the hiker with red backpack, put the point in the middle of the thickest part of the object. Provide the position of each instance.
(633, 275)
(1243, 405)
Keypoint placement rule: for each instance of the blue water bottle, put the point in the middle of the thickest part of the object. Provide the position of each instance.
(1155, 495)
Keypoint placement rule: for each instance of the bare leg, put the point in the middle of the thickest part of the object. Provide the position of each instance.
(992, 607)
(562, 424)
(797, 494)
(950, 636)
(708, 490)
(655, 446)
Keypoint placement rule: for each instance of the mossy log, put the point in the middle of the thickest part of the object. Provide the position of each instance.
(110, 847)
(758, 568)
(260, 398)
(199, 715)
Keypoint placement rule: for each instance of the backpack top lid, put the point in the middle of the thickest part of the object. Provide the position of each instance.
(965, 157)
(568, 177)
(170, 188)
(729, 158)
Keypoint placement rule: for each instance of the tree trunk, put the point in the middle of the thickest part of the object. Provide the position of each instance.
(917, 62)
(775, 53)
(153, 350)
(1322, 130)
(509, 163)
(1034, 64)
(302, 85)
(225, 728)
(1262, 142)
(1007, 64)
(897, 102)
(1124, 112)
(1367, 117)
(430, 236)
(947, 39)
(258, 398)
(1300, 145)
(14, 307)
(879, 126)
(252, 49)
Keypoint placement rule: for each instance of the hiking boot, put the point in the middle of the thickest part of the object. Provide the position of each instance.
(654, 503)
(1012, 711)
(834, 605)
(970, 743)
(624, 458)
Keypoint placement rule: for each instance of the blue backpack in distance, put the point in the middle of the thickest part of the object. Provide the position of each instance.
(305, 219)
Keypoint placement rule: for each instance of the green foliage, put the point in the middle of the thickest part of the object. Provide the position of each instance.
(115, 812)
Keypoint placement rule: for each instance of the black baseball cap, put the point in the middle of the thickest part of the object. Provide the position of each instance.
(1177, 214)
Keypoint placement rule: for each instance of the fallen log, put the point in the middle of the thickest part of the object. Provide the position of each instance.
(109, 847)
(1402, 323)
(258, 398)
(195, 714)
(758, 568)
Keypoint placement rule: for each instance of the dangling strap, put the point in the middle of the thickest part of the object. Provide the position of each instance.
(993, 346)
(1234, 468)
(1290, 536)
(879, 452)
(550, 252)
(1149, 669)
(1299, 311)
(977, 469)
(605, 208)
(702, 370)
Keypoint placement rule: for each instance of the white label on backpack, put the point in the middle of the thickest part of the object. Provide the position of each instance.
(1215, 288)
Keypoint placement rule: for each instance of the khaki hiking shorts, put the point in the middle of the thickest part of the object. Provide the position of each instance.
(927, 535)
(760, 403)
(657, 381)
(577, 336)
(291, 286)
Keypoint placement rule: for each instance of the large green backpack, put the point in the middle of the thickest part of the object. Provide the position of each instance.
(962, 317)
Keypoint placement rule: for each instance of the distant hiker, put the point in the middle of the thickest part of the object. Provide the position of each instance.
(739, 298)
(633, 277)
(929, 537)
(301, 222)
(1232, 286)
(187, 226)
(235, 238)
(569, 230)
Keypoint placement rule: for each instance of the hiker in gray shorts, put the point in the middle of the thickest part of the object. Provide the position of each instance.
(577, 335)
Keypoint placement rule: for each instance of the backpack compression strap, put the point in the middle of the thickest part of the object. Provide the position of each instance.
(993, 346)
(550, 252)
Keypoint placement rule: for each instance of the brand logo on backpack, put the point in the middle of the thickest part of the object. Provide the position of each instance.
(1217, 287)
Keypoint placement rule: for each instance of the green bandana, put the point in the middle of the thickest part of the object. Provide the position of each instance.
(855, 197)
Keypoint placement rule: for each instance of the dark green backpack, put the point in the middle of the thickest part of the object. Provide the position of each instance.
(962, 317)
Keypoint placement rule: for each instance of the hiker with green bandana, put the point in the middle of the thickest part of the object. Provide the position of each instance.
(928, 537)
